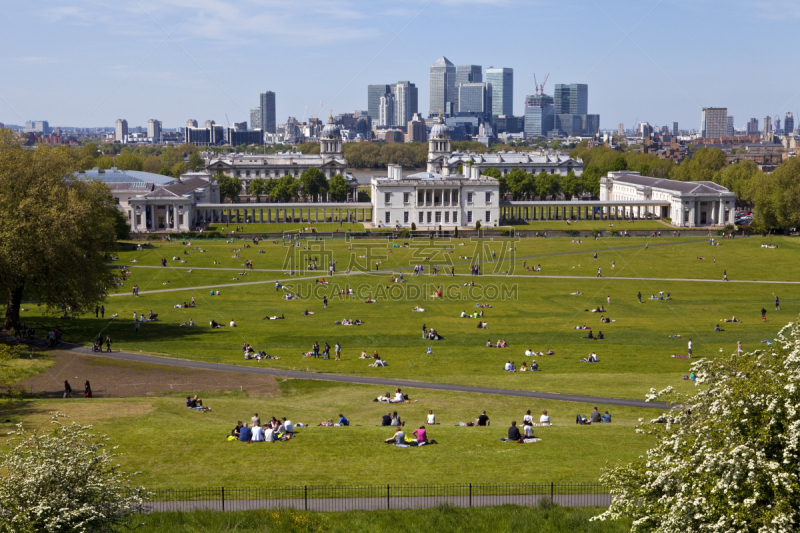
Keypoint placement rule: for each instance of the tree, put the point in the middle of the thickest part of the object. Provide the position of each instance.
(122, 227)
(570, 185)
(730, 464)
(339, 188)
(65, 480)
(738, 178)
(285, 189)
(702, 166)
(55, 230)
(313, 183)
(129, 161)
(776, 196)
(104, 162)
(152, 164)
(196, 162)
(229, 187)
(257, 187)
(515, 183)
(178, 169)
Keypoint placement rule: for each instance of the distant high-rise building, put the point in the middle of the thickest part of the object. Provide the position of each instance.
(502, 80)
(620, 129)
(571, 99)
(714, 122)
(121, 130)
(417, 131)
(406, 98)
(374, 95)
(386, 110)
(729, 130)
(788, 123)
(675, 129)
(752, 126)
(268, 123)
(191, 123)
(240, 126)
(255, 118)
(468, 74)
(36, 126)
(767, 125)
(443, 95)
(154, 129)
(539, 115)
(475, 98)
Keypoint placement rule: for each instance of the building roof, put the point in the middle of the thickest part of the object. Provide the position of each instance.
(515, 158)
(683, 187)
(443, 62)
(114, 175)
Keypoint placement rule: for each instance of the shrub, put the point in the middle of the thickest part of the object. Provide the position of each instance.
(413, 227)
(403, 234)
(478, 225)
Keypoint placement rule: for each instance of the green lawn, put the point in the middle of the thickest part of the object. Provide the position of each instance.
(506, 519)
(279, 227)
(529, 311)
(175, 447)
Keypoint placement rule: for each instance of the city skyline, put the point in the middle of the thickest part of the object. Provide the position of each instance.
(189, 67)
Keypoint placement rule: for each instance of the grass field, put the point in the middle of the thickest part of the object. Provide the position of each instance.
(528, 311)
(506, 519)
(175, 447)
(278, 227)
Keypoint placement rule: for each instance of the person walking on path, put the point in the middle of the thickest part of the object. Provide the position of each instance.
(67, 389)
(639, 296)
(599, 272)
(724, 275)
(87, 390)
(108, 343)
(595, 256)
(135, 326)
(690, 347)
(96, 312)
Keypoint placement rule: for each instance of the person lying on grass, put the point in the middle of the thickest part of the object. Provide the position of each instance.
(196, 404)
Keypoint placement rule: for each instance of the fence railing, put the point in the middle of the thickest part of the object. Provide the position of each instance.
(375, 497)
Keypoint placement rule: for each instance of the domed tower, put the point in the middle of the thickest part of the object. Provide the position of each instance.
(439, 148)
(330, 141)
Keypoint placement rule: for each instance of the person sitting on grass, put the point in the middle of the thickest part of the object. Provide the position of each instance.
(398, 438)
(545, 418)
(606, 417)
(245, 434)
(513, 432)
(524, 367)
(326, 423)
(534, 366)
(343, 421)
(420, 435)
(258, 434)
(386, 420)
(396, 420)
(591, 359)
(483, 420)
(590, 335)
(599, 336)
(527, 430)
(237, 430)
(550, 352)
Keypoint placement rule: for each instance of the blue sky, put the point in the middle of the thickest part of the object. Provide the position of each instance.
(88, 63)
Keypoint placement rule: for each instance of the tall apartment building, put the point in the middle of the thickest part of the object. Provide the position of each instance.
(675, 129)
(154, 129)
(416, 130)
(788, 123)
(255, 118)
(36, 126)
(374, 95)
(191, 123)
(405, 97)
(268, 122)
(502, 80)
(620, 129)
(386, 110)
(767, 126)
(475, 98)
(729, 130)
(714, 122)
(571, 99)
(120, 130)
(752, 126)
(443, 95)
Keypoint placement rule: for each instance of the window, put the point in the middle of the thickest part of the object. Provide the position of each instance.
(429, 217)
(469, 198)
(438, 217)
(421, 217)
(488, 216)
(405, 198)
(387, 197)
(455, 197)
(488, 197)
(447, 217)
(180, 219)
(455, 217)
(469, 217)
(405, 217)
(138, 220)
(421, 198)
(446, 198)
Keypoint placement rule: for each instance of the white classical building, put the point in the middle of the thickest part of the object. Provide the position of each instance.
(247, 167)
(691, 203)
(551, 162)
(436, 197)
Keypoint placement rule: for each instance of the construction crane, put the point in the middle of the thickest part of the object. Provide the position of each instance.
(776, 123)
(540, 88)
(228, 121)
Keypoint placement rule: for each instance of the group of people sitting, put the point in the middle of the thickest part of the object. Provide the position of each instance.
(524, 368)
(661, 296)
(530, 353)
(420, 438)
(476, 314)
(348, 322)
(272, 431)
(214, 324)
(598, 337)
(251, 353)
(591, 359)
(398, 397)
(500, 344)
(343, 421)
(483, 325)
(600, 309)
(392, 419)
(433, 335)
(594, 417)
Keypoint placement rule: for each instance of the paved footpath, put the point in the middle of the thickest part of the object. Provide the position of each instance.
(362, 380)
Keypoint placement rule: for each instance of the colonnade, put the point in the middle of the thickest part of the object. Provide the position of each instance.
(576, 211)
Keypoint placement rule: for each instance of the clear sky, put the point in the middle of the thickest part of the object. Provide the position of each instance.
(87, 63)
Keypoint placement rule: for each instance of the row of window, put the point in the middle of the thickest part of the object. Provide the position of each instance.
(424, 197)
(435, 217)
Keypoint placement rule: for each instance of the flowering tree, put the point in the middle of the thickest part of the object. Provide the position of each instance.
(64, 481)
(727, 460)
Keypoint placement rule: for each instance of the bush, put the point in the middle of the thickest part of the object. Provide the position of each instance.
(508, 232)
(403, 234)
(615, 233)
(456, 232)
(573, 233)
(413, 227)
(478, 225)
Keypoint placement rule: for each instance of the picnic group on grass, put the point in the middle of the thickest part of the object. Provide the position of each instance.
(273, 431)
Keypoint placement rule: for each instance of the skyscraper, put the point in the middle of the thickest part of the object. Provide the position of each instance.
(539, 115)
(468, 74)
(502, 80)
(475, 98)
(767, 125)
(405, 100)
(121, 130)
(386, 111)
(620, 129)
(729, 131)
(752, 126)
(675, 129)
(443, 96)
(713, 122)
(374, 95)
(571, 99)
(154, 129)
(255, 118)
(788, 123)
(268, 123)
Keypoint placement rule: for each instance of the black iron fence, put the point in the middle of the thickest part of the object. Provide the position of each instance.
(368, 498)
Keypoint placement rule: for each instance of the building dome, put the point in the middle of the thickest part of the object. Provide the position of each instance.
(331, 129)
(439, 129)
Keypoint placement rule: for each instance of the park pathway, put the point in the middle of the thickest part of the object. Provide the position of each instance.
(363, 380)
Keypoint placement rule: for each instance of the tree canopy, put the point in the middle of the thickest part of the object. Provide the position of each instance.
(229, 187)
(776, 196)
(339, 188)
(313, 183)
(730, 463)
(55, 231)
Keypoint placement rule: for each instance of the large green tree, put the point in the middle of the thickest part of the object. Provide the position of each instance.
(702, 166)
(313, 183)
(196, 162)
(55, 231)
(257, 188)
(286, 189)
(776, 196)
(129, 161)
(229, 187)
(339, 188)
